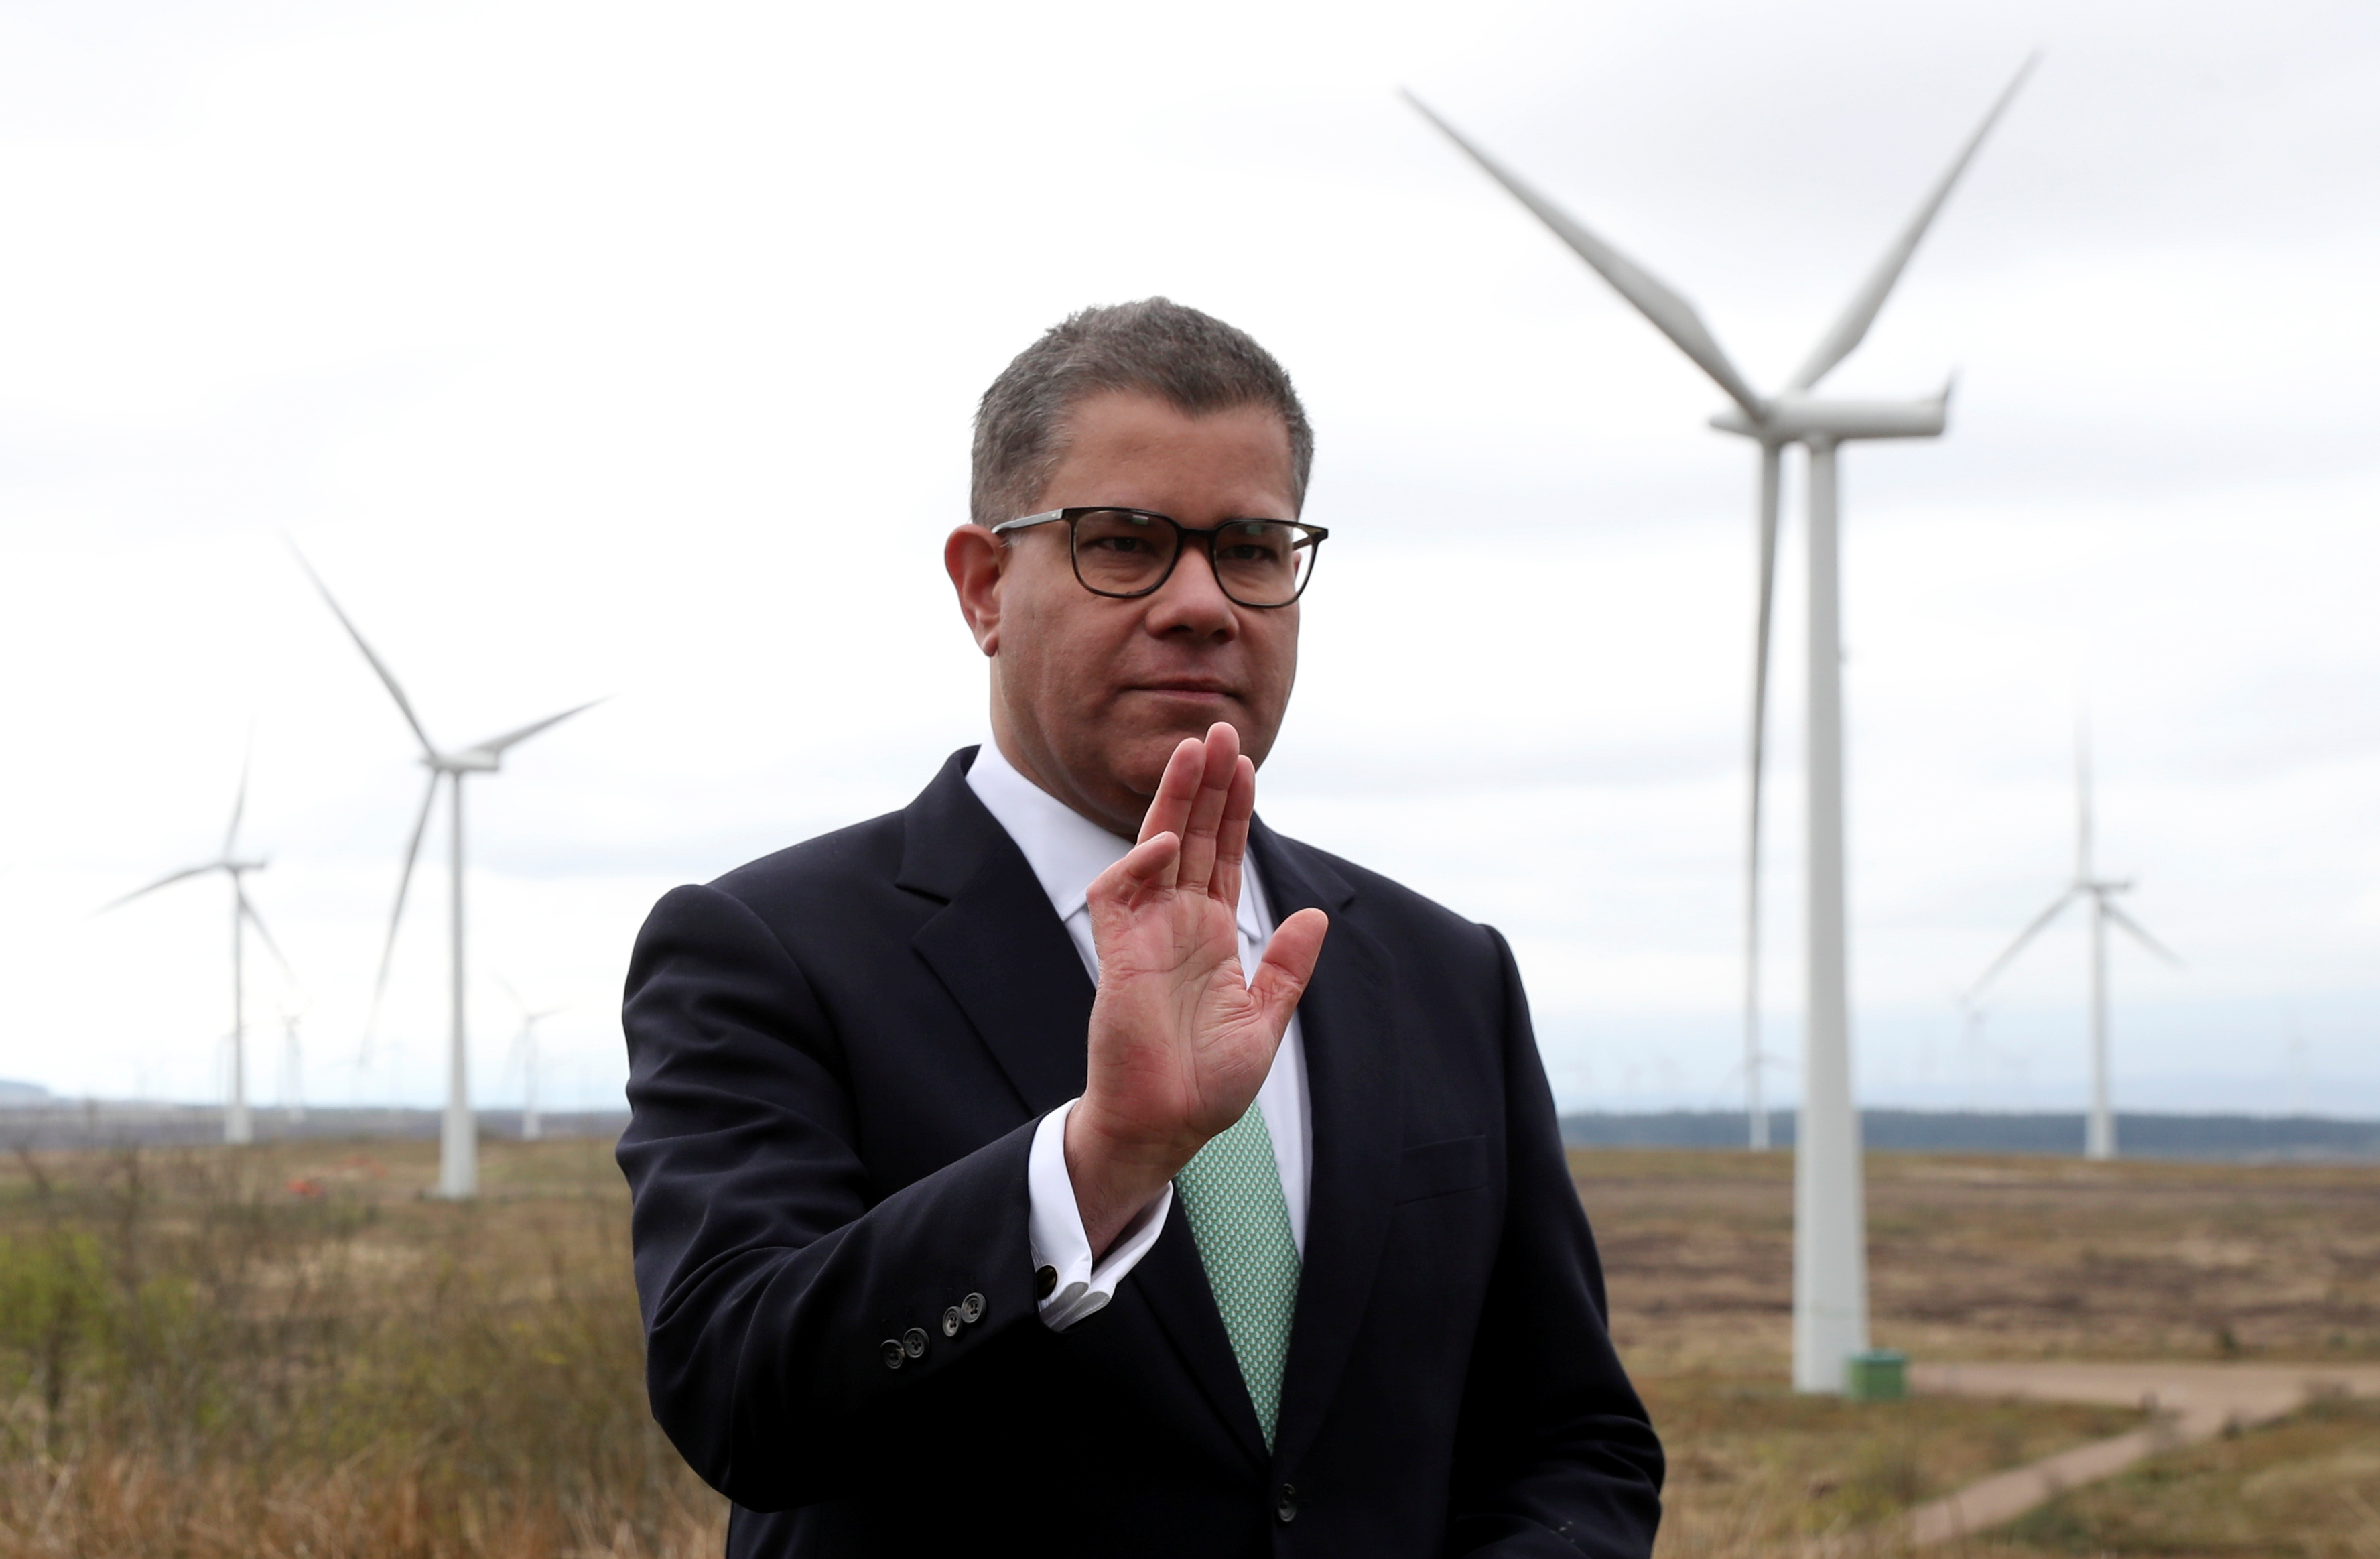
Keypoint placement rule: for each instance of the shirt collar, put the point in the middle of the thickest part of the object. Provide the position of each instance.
(1067, 851)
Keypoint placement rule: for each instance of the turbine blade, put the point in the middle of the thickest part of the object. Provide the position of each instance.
(1671, 313)
(166, 880)
(404, 880)
(248, 912)
(2040, 920)
(388, 678)
(495, 745)
(1851, 328)
(239, 806)
(2082, 799)
(2141, 936)
(1767, 520)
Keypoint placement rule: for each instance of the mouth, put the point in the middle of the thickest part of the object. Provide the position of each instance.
(1186, 687)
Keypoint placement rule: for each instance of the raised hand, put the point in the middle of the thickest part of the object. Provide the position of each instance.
(1181, 1038)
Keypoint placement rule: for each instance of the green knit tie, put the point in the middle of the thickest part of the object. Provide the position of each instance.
(1231, 1193)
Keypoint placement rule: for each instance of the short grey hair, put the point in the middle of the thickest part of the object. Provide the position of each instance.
(1156, 347)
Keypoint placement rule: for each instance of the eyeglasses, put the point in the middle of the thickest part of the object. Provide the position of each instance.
(1128, 553)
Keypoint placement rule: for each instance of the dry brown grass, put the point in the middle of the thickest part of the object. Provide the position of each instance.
(1998, 1258)
(288, 1350)
(2309, 1486)
(1756, 1469)
(1994, 1258)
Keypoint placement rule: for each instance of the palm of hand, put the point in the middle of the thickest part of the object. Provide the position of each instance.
(1192, 1042)
(1180, 1036)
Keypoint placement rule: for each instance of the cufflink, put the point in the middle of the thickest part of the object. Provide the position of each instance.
(1045, 1282)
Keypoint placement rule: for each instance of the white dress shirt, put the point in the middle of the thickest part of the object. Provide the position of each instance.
(1067, 851)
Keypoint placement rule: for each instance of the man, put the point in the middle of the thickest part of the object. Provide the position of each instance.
(1067, 1163)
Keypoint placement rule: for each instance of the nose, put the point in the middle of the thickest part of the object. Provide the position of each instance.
(1192, 603)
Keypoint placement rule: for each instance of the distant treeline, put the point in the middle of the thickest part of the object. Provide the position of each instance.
(61, 1123)
(103, 1123)
(1958, 1131)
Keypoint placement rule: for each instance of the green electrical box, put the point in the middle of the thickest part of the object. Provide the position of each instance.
(1877, 1375)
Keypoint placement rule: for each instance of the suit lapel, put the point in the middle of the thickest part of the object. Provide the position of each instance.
(1008, 963)
(1355, 1090)
(1005, 958)
(996, 945)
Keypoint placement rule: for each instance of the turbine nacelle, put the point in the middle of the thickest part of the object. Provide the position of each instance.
(470, 760)
(1799, 419)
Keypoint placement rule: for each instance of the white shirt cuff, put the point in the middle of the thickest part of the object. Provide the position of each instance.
(1055, 1230)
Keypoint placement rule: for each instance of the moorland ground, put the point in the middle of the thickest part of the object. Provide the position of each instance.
(290, 1349)
(1998, 1259)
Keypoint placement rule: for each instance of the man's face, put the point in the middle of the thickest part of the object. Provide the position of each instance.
(1090, 694)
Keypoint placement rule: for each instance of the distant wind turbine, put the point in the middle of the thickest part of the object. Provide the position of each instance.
(1829, 1248)
(2099, 1132)
(293, 1061)
(2301, 1080)
(1972, 1014)
(237, 1127)
(531, 1129)
(458, 1138)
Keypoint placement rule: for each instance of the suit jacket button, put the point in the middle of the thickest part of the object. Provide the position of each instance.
(951, 1321)
(1285, 1504)
(1045, 1282)
(893, 1353)
(971, 1308)
(913, 1343)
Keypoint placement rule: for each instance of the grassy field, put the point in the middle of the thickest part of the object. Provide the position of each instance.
(289, 1350)
(1998, 1258)
(2307, 1486)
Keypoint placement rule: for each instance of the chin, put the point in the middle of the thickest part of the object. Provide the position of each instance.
(1140, 762)
(1157, 738)
(1176, 715)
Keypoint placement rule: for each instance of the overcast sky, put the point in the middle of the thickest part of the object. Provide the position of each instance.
(629, 350)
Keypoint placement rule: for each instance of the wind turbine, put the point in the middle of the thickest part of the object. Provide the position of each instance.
(2099, 1132)
(293, 1058)
(531, 1130)
(458, 1138)
(1972, 1014)
(1829, 1248)
(237, 1127)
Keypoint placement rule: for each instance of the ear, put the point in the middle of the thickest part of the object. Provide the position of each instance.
(973, 556)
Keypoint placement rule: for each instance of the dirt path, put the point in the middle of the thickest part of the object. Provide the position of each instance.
(2187, 1403)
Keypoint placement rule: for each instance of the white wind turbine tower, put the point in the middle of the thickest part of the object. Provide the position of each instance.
(458, 1138)
(531, 1129)
(1972, 1014)
(237, 1127)
(2099, 1131)
(1830, 1245)
(293, 1062)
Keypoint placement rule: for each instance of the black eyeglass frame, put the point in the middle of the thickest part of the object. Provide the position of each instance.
(1311, 536)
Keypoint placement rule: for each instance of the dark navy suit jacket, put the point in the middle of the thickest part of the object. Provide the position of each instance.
(837, 1057)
